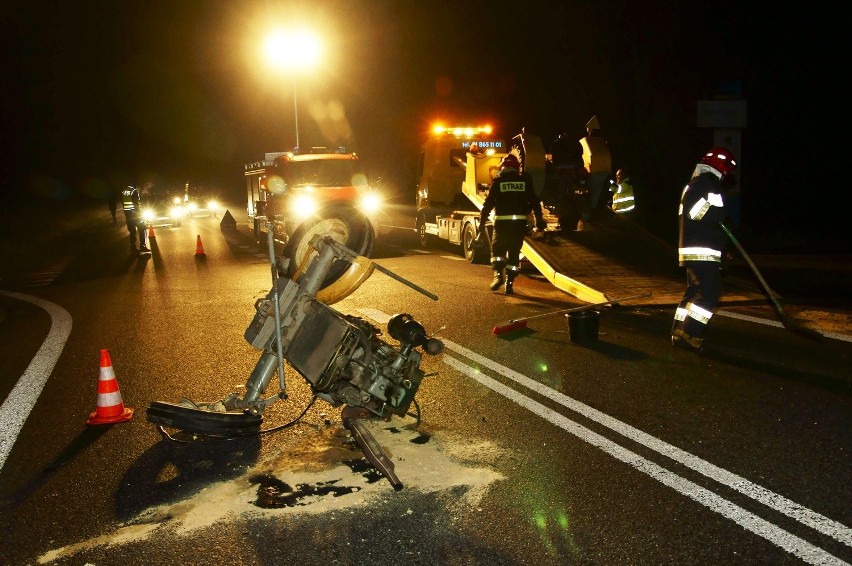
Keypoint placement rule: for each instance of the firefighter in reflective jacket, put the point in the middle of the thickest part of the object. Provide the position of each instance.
(700, 246)
(512, 197)
(132, 205)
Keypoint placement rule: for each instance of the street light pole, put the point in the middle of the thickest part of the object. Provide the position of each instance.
(296, 111)
(293, 50)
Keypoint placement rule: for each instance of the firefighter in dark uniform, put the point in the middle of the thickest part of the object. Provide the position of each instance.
(132, 205)
(700, 246)
(512, 197)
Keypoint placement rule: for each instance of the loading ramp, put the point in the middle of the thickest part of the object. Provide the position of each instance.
(615, 257)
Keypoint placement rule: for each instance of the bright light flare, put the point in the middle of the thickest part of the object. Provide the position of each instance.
(462, 131)
(148, 215)
(303, 206)
(292, 49)
(213, 205)
(370, 203)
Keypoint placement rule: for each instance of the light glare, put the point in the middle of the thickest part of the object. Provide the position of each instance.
(303, 206)
(370, 203)
(292, 49)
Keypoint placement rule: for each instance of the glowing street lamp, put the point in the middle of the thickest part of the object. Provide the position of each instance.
(294, 51)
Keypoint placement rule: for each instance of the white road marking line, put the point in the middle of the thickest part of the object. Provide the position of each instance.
(781, 504)
(774, 534)
(776, 324)
(21, 400)
(376, 315)
(772, 500)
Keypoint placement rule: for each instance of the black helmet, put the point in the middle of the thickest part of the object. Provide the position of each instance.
(510, 161)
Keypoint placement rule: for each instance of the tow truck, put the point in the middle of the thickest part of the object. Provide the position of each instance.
(453, 181)
(454, 172)
(298, 193)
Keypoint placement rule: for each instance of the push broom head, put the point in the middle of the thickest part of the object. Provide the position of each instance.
(507, 327)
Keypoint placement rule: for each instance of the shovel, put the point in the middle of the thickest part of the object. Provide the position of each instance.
(518, 323)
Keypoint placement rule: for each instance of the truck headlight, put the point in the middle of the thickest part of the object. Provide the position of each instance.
(177, 212)
(148, 215)
(213, 205)
(370, 203)
(303, 206)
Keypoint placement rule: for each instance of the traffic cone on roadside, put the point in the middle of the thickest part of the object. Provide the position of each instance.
(110, 408)
(151, 235)
(199, 249)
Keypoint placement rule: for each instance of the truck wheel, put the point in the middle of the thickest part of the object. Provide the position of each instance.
(475, 253)
(422, 236)
(345, 224)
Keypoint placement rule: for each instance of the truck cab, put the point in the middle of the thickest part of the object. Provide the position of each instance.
(286, 188)
(442, 163)
(454, 173)
(444, 209)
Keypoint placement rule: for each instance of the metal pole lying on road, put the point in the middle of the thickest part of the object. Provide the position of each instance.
(404, 281)
(518, 323)
(788, 323)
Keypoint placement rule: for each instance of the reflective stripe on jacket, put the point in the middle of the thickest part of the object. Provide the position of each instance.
(511, 197)
(622, 200)
(701, 209)
(130, 199)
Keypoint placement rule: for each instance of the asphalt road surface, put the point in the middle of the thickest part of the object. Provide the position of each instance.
(527, 448)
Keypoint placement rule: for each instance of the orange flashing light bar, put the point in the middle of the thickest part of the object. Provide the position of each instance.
(461, 131)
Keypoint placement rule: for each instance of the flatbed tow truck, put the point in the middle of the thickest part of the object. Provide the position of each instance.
(614, 258)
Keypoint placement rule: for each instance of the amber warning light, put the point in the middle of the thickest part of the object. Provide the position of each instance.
(461, 131)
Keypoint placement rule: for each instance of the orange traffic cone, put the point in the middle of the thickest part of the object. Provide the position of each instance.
(151, 235)
(199, 249)
(111, 408)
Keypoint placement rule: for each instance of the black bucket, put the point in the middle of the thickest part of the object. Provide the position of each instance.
(583, 326)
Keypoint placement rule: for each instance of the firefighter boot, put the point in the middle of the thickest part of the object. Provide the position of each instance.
(510, 278)
(497, 282)
(683, 340)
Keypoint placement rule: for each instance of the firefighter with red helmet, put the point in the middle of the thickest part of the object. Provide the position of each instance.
(511, 197)
(701, 243)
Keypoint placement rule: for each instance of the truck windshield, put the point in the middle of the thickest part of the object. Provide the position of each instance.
(329, 173)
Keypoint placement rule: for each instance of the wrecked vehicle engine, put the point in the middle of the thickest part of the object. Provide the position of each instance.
(343, 358)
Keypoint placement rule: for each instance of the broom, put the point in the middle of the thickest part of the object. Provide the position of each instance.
(788, 322)
(519, 323)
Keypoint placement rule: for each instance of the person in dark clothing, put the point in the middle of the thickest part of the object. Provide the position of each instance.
(598, 163)
(132, 205)
(566, 187)
(511, 197)
(700, 245)
(113, 205)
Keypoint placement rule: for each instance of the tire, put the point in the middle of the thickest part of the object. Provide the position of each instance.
(422, 236)
(203, 422)
(345, 224)
(478, 253)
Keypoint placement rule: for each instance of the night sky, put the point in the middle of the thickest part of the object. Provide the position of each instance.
(100, 94)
